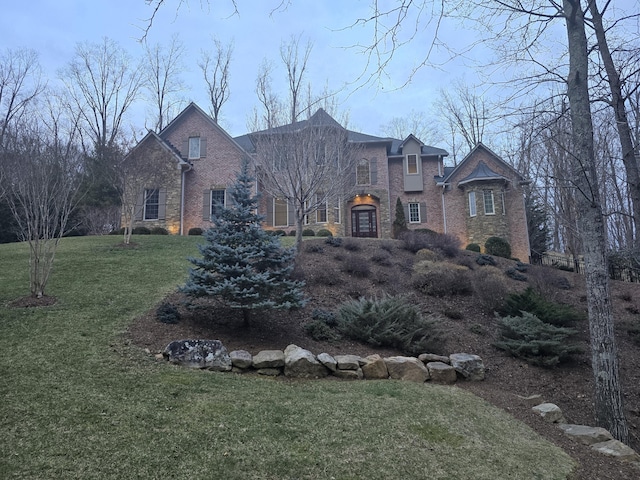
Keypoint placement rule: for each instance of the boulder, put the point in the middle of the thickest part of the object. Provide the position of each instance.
(241, 359)
(348, 362)
(440, 372)
(615, 448)
(585, 434)
(468, 366)
(269, 372)
(349, 374)
(532, 400)
(301, 363)
(375, 368)
(209, 354)
(432, 357)
(406, 368)
(328, 361)
(550, 412)
(268, 359)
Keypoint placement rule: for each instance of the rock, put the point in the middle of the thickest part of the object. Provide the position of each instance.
(615, 448)
(468, 366)
(550, 412)
(375, 368)
(586, 435)
(406, 368)
(301, 363)
(210, 354)
(268, 359)
(348, 362)
(432, 357)
(269, 372)
(440, 372)
(241, 359)
(328, 361)
(349, 374)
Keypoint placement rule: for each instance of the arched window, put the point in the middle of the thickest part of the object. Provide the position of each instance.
(363, 172)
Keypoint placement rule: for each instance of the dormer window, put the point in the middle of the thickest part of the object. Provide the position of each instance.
(412, 164)
(194, 148)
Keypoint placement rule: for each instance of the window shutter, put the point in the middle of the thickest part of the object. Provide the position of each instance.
(373, 165)
(162, 203)
(206, 205)
(291, 215)
(185, 149)
(352, 175)
(423, 212)
(203, 147)
(405, 207)
(269, 217)
(139, 208)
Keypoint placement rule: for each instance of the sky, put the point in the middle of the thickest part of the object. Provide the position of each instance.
(54, 27)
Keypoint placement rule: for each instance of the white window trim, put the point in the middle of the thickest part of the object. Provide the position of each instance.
(417, 172)
(504, 205)
(472, 204)
(493, 203)
(193, 157)
(337, 212)
(326, 212)
(286, 224)
(305, 218)
(146, 198)
(417, 204)
(224, 199)
(361, 163)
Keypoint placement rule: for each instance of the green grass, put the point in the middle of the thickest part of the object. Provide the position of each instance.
(78, 402)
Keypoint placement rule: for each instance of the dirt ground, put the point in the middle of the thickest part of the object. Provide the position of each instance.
(470, 327)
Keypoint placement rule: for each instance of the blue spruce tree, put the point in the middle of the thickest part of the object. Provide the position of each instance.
(242, 264)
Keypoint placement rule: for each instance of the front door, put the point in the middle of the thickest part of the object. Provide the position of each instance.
(363, 222)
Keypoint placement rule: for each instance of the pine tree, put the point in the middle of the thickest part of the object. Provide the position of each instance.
(400, 222)
(242, 264)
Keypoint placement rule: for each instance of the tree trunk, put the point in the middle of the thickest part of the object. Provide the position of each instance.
(622, 122)
(608, 399)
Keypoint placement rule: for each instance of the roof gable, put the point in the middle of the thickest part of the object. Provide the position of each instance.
(193, 109)
(482, 170)
(155, 138)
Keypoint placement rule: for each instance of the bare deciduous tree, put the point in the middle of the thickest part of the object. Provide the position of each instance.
(414, 122)
(148, 165)
(162, 80)
(20, 84)
(102, 83)
(215, 69)
(295, 62)
(42, 181)
(307, 164)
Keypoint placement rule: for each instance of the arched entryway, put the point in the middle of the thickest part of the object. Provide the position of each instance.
(364, 221)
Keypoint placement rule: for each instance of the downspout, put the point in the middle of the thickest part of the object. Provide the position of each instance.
(444, 210)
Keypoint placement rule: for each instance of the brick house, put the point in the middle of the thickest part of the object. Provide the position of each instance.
(481, 197)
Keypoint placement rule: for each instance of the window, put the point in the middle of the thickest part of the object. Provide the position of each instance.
(472, 204)
(305, 219)
(321, 212)
(337, 212)
(217, 201)
(194, 147)
(280, 213)
(151, 204)
(489, 208)
(414, 212)
(412, 164)
(363, 172)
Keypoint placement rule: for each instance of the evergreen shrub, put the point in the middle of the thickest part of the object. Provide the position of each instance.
(516, 304)
(195, 231)
(307, 232)
(498, 247)
(167, 313)
(390, 322)
(159, 231)
(535, 341)
(333, 241)
(441, 279)
(323, 232)
(141, 231)
(473, 247)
